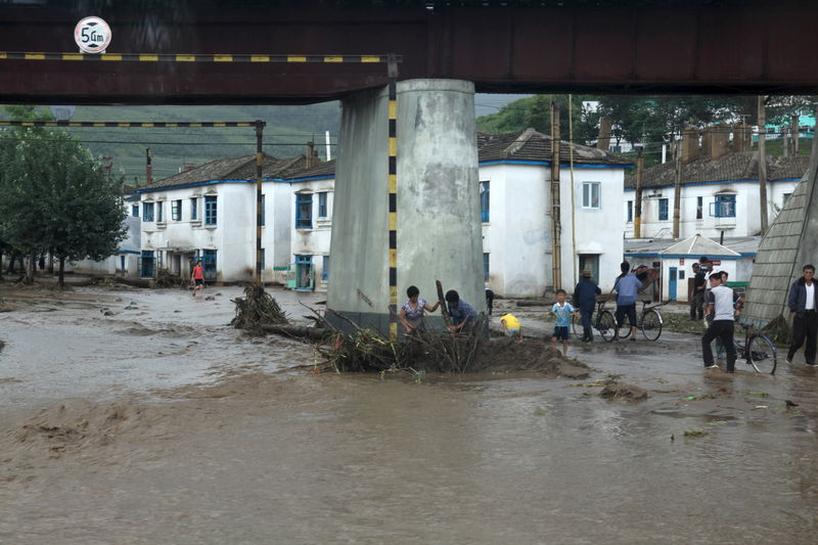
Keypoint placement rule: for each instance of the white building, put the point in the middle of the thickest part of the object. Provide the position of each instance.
(515, 174)
(516, 209)
(209, 213)
(717, 194)
(125, 262)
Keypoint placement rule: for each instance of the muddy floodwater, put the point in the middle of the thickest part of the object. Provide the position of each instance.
(139, 417)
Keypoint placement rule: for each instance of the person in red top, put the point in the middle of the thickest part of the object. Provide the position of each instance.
(197, 277)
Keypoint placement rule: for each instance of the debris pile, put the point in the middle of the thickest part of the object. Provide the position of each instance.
(256, 310)
(166, 279)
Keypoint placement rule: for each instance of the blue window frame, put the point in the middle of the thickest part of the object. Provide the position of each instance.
(209, 264)
(194, 208)
(485, 201)
(325, 269)
(135, 210)
(322, 204)
(176, 210)
(147, 211)
(303, 272)
(630, 211)
(663, 209)
(210, 210)
(303, 211)
(485, 267)
(724, 206)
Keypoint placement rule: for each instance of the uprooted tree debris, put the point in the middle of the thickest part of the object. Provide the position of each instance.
(256, 310)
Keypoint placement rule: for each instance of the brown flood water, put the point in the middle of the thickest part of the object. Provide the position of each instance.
(214, 441)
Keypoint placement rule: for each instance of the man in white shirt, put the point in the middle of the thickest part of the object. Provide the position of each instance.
(803, 305)
(720, 306)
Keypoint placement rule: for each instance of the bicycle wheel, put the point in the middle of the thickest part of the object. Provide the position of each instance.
(623, 331)
(652, 325)
(606, 325)
(762, 354)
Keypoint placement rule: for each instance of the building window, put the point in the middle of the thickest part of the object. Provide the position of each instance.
(699, 206)
(485, 267)
(210, 210)
(725, 206)
(263, 210)
(663, 209)
(303, 211)
(322, 204)
(135, 210)
(147, 211)
(194, 208)
(590, 194)
(176, 210)
(630, 211)
(484, 201)
(325, 269)
(160, 212)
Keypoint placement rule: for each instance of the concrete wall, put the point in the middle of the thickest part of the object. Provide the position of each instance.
(438, 204)
(746, 223)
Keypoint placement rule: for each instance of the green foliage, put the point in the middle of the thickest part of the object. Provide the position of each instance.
(535, 112)
(56, 197)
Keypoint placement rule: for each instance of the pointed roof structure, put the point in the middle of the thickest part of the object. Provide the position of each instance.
(698, 246)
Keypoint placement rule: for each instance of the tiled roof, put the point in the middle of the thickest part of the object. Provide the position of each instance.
(531, 145)
(733, 166)
(234, 168)
(326, 168)
(699, 245)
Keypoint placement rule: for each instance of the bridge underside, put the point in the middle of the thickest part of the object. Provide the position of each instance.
(643, 47)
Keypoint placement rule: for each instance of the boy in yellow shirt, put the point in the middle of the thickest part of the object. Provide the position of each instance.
(511, 326)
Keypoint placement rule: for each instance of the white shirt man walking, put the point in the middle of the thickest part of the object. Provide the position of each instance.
(720, 306)
(803, 304)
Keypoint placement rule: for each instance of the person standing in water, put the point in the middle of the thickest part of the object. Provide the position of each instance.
(197, 277)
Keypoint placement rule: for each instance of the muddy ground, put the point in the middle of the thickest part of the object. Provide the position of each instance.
(136, 416)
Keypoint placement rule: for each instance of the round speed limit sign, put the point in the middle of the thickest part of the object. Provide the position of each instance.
(93, 35)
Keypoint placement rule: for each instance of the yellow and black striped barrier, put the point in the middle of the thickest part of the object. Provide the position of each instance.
(130, 124)
(197, 57)
(392, 109)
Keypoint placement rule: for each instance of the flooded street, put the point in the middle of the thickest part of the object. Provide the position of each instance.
(155, 426)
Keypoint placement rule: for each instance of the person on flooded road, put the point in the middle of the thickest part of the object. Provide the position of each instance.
(803, 303)
(197, 278)
(412, 311)
(585, 299)
(462, 314)
(697, 297)
(627, 288)
(562, 311)
(719, 305)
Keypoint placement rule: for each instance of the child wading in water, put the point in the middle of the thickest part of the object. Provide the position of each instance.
(562, 312)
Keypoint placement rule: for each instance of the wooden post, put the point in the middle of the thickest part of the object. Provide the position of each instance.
(556, 228)
(677, 192)
(637, 202)
(762, 163)
(795, 134)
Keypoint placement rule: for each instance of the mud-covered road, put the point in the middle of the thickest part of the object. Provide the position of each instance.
(135, 416)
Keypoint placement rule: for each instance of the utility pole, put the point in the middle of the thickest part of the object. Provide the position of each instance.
(677, 188)
(794, 132)
(259, 204)
(148, 167)
(637, 203)
(556, 228)
(762, 162)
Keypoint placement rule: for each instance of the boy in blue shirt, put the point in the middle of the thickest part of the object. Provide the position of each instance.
(562, 312)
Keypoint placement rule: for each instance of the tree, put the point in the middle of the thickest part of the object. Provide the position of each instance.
(535, 112)
(57, 198)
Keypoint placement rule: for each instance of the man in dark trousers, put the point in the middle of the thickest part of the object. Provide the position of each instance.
(697, 297)
(803, 303)
(585, 300)
(720, 306)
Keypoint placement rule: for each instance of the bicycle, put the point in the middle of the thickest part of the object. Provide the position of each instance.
(757, 350)
(605, 323)
(649, 321)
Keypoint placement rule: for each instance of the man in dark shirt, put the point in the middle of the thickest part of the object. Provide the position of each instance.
(462, 314)
(697, 297)
(585, 300)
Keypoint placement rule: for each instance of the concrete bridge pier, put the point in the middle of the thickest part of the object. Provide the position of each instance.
(438, 210)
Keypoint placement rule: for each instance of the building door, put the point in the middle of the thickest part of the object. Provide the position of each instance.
(122, 264)
(303, 272)
(147, 269)
(591, 263)
(209, 265)
(671, 283)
